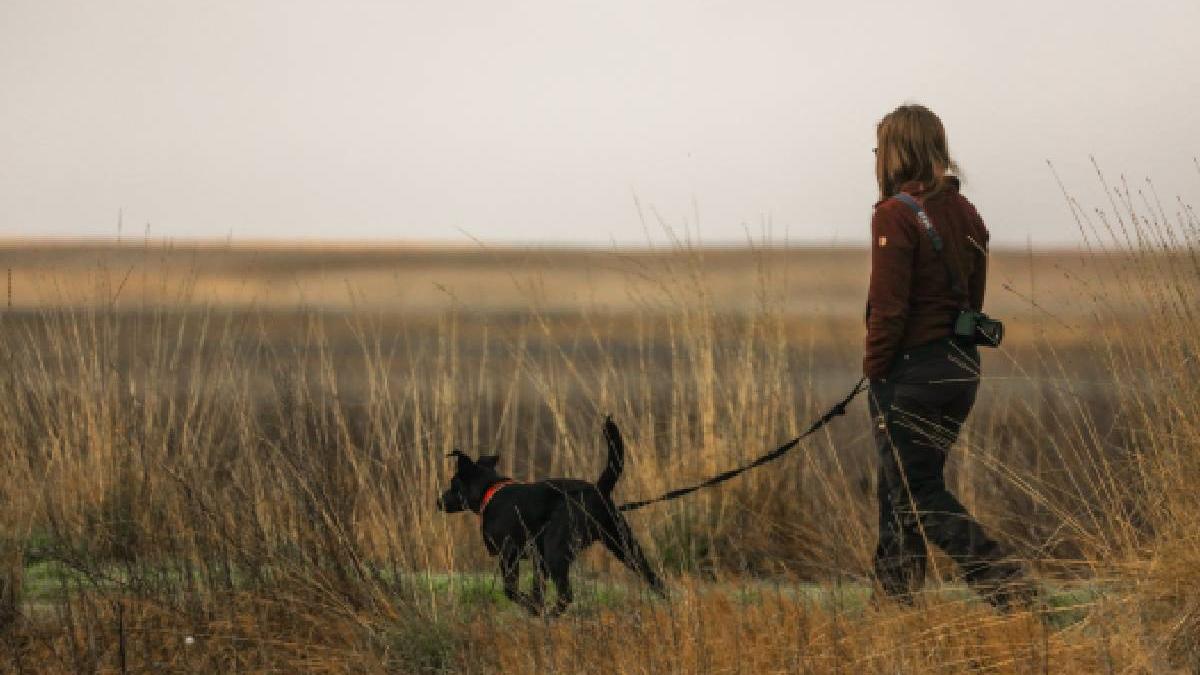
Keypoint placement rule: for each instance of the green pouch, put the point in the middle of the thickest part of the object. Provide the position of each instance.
(978, 328)
(964, 325)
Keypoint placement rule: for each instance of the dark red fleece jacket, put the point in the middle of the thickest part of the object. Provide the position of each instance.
(910, 301)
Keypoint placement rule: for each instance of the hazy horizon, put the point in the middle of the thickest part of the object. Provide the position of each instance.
(136, 240)
(545, 123)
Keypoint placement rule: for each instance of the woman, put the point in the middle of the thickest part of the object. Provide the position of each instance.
(923, 379)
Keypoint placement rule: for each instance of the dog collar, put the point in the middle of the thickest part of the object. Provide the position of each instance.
(489, 493)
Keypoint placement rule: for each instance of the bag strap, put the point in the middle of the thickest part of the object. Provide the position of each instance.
(956, 285)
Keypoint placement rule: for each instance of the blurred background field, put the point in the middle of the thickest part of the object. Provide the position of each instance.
(805, 283)
(243, 444)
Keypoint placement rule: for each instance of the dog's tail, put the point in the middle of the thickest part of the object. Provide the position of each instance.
(616, 458)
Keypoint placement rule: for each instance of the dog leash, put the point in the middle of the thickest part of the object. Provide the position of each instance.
(836, 411)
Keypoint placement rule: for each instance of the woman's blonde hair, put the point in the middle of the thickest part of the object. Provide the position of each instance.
(911, 146)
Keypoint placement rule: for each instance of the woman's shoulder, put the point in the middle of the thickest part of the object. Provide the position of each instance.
(893, 221)
(970, 213)
(892, 210)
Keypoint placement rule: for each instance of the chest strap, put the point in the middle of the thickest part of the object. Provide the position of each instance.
(957, 287)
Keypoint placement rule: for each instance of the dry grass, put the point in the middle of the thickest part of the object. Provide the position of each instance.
(244, 446)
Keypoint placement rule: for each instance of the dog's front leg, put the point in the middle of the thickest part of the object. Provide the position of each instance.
(510, 571)
(537, 594)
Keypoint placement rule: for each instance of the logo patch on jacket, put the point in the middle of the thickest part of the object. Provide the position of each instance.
(882, 242)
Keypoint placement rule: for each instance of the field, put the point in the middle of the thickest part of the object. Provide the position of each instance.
(225, 458)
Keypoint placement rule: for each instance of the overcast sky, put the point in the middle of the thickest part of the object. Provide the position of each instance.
(541, 121)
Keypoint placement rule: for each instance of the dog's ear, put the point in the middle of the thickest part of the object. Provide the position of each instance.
(489, 461)
(464, 461)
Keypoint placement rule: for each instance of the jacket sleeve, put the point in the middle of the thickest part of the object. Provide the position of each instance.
(892, 250)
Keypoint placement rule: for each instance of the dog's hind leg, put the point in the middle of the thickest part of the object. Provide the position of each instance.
(558, 552)
(559, 568)
(619, 540)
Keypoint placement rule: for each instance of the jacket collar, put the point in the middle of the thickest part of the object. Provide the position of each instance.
(918, 189)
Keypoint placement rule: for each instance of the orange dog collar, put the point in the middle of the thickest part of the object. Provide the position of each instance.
(491, 492)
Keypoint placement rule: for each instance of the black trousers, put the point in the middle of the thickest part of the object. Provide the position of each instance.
(918, 411)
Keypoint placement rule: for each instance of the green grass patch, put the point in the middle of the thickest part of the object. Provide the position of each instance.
(44, 581)
(466, 593)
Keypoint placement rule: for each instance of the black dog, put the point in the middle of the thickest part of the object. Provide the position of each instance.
(550, 521)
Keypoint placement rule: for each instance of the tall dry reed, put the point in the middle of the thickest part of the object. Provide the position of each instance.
(211, 488)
